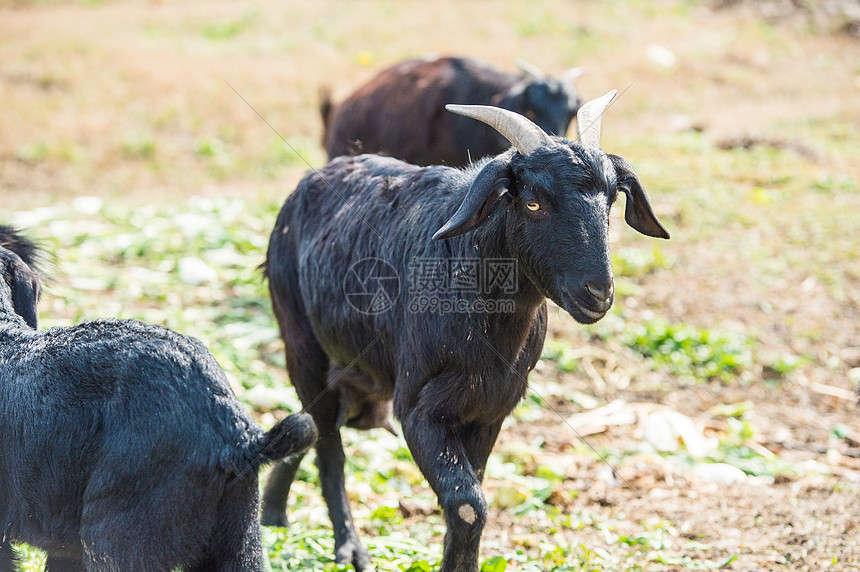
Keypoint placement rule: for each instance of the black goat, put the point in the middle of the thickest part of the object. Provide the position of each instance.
(401, 111)
(122, 447)
(534, 221)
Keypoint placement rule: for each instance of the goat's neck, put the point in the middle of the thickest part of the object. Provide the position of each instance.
(488, 242)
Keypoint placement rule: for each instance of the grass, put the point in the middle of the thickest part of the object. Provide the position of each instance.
(692, 353)
(128, 263)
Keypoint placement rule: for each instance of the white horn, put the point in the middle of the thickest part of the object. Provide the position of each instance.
(588, 119)
(530, 69)
(572, 74)
(520, 131)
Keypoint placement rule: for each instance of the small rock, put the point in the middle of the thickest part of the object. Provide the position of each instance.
(267, 398)
(194, 272)
(665, 430)
(88, 205)
(658, 432)
(719, 473)
(509, 495)
(267, 419)
(780, 434)
(606, 476)
(851, 356)
(409, 508)
(584, 400)
(680, 122)
(559, 497)
(616, 413)
(313, 516)
(660, 55)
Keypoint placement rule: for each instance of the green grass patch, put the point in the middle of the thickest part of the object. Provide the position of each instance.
(689, 351)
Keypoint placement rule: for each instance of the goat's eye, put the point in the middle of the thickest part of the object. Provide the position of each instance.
(533, 206)
(531, 115)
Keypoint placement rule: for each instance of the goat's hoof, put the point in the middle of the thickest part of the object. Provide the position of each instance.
(273, 518)
(354, 553)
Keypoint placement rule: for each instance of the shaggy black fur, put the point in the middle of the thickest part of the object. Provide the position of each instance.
(122, 446)
(453, 377)
(401, 111)
(12, 239)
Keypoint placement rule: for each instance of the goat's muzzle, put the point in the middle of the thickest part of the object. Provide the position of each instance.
(590, 302)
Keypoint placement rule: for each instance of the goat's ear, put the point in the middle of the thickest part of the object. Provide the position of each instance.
(637, 212)
(481, 200)
(25, 292)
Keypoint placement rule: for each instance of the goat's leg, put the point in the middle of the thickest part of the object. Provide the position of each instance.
(478, 441)
(330, 460)
(274, 511)
(444, 461)
(308, 367)
(235, 545)
(148, 521)
(308, 375)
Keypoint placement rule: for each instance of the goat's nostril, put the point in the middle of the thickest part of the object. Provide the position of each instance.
(600, 292)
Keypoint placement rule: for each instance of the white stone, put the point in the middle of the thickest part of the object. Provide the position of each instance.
(719, 473)
(262, 397)
(88, 205)
(660, 55)
(194, 272)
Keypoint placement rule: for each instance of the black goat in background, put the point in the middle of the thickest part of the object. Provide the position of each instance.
(122, 446)
(401, 111)
(358, 227)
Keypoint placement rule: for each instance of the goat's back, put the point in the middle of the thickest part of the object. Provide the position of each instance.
(108, 409)
(401, 113)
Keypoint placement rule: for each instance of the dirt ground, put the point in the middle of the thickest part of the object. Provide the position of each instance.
(83, 102)
(802, 522)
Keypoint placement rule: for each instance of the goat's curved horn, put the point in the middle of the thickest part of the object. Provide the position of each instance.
(530, 69)
(572, 74)
(588, 119)
(521, 132)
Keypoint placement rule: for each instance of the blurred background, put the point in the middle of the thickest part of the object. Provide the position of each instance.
(709, 421)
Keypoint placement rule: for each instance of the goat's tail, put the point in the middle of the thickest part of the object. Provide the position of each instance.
(325, 106)
(291, 435)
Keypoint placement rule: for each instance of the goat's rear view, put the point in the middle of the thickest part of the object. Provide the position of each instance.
(122, 446)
